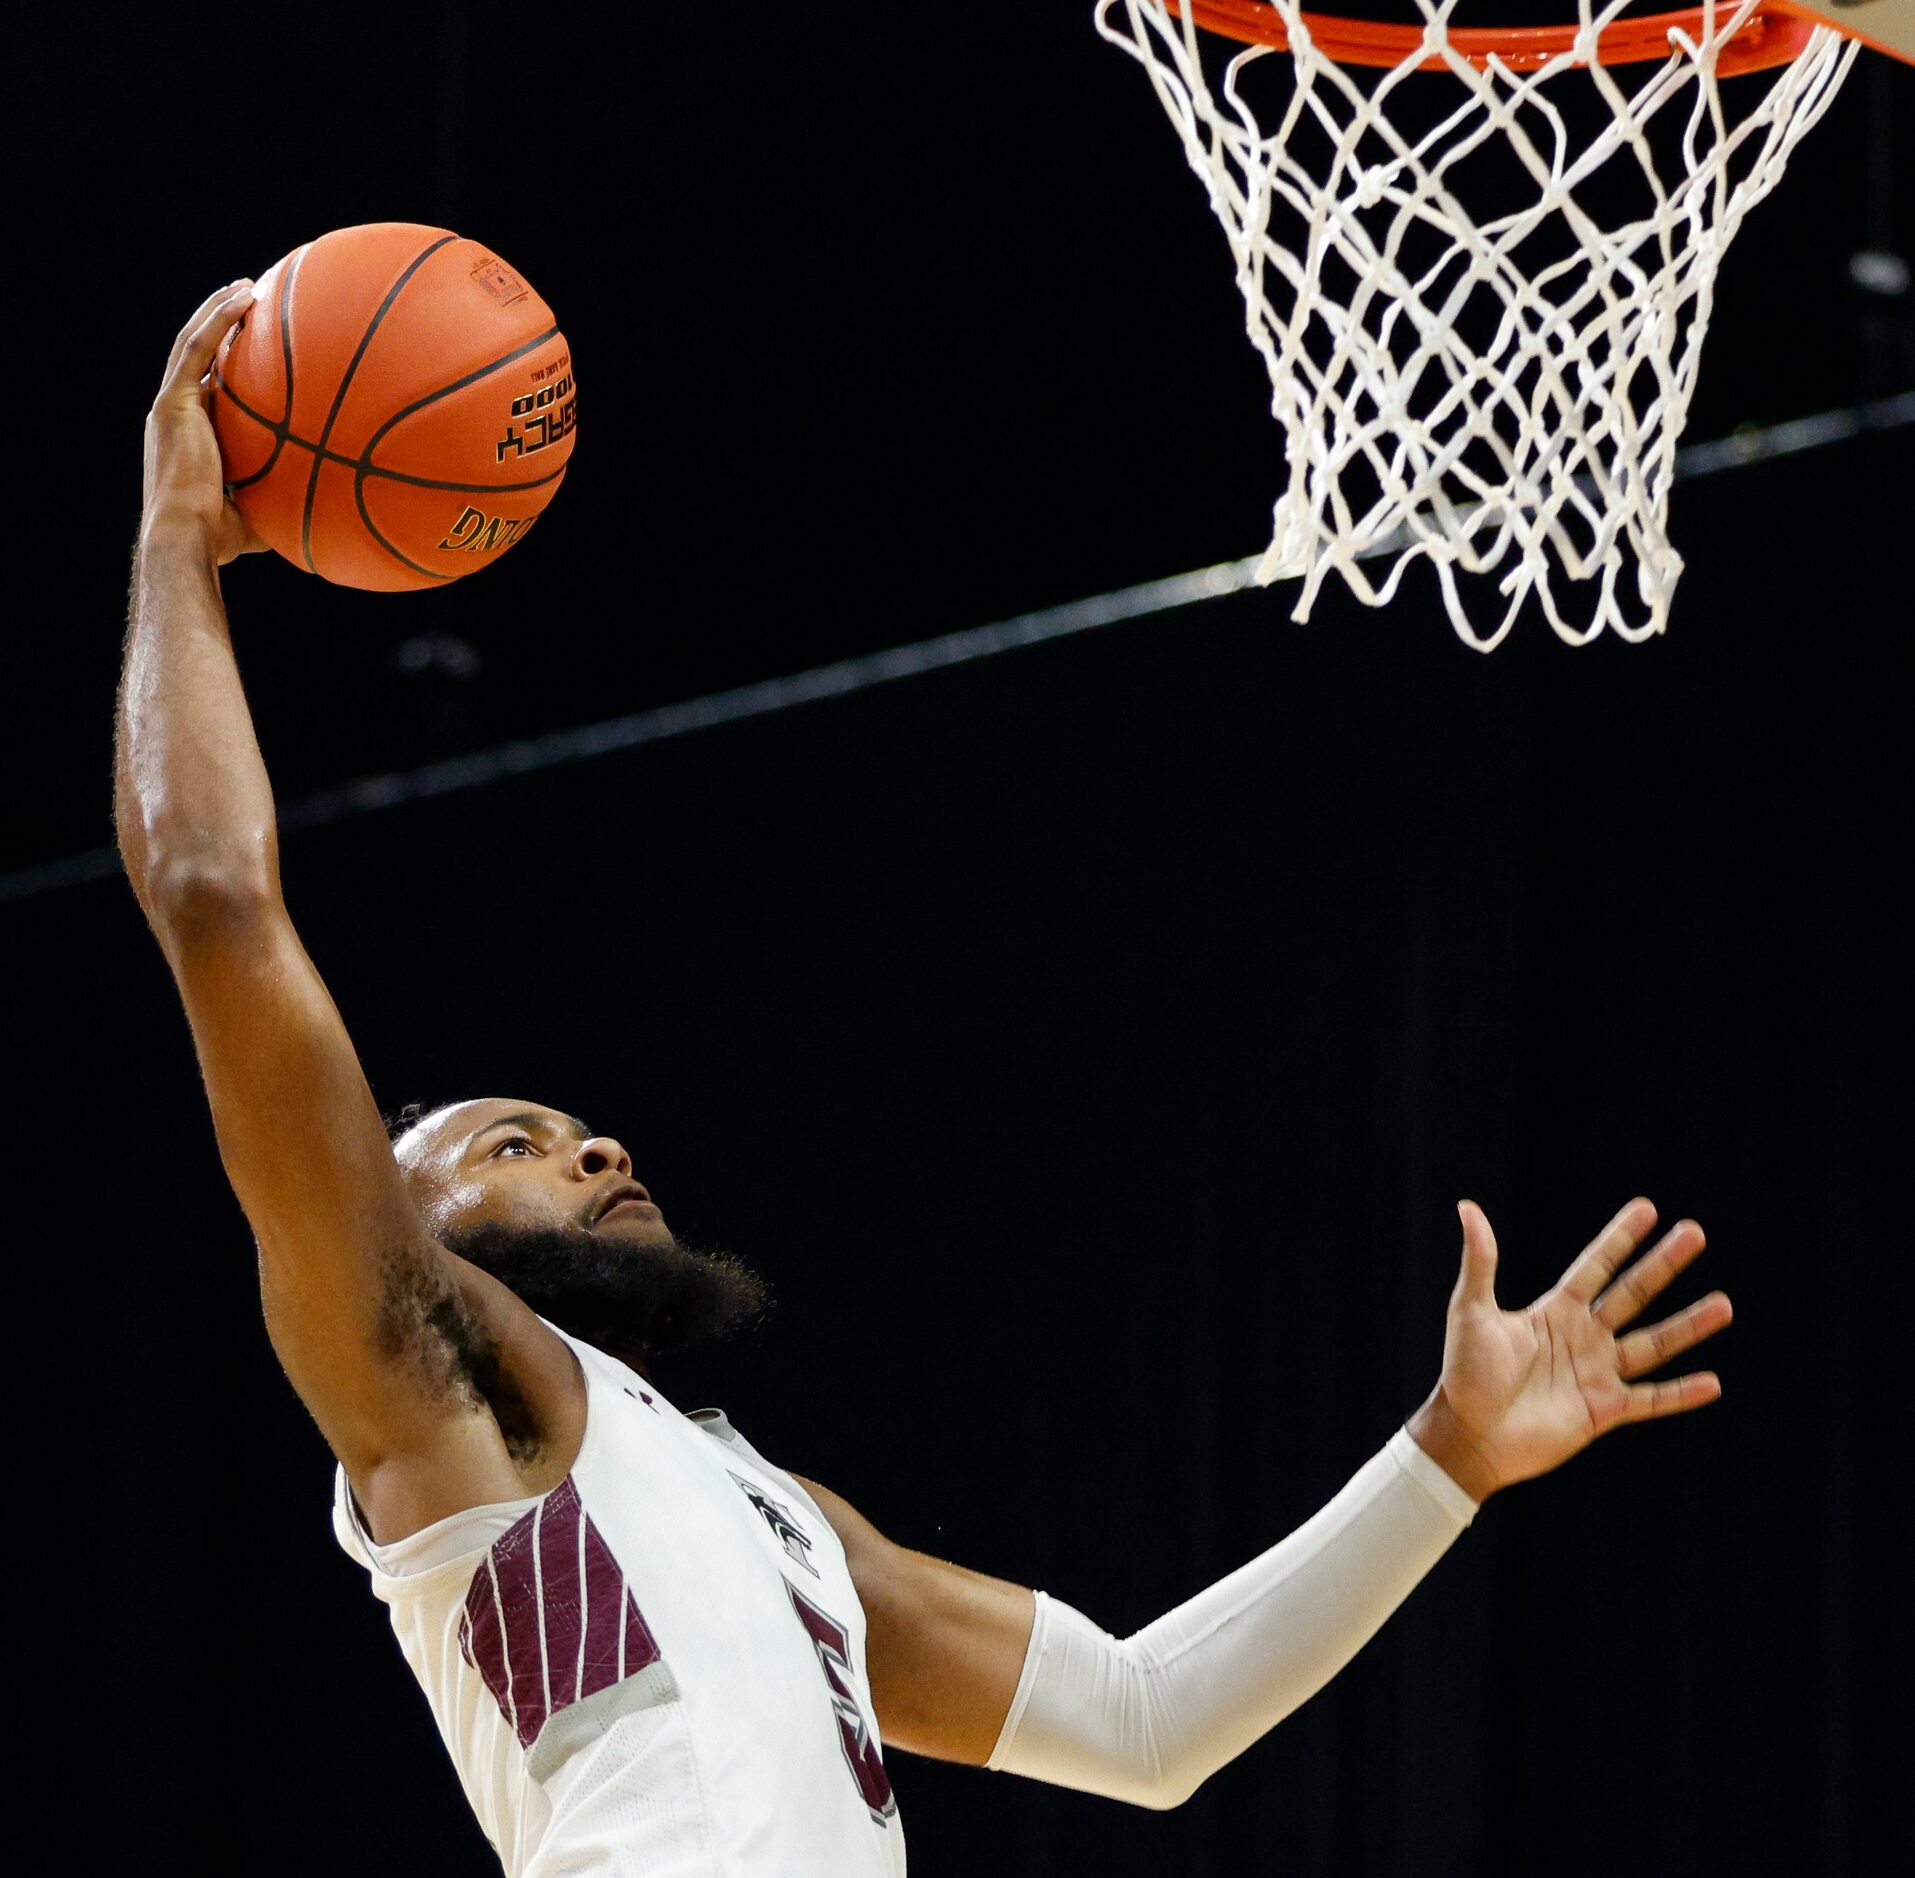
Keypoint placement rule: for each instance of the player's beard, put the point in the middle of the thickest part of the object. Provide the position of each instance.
(634, 1302)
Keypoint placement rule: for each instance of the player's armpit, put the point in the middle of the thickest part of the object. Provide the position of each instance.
(944, 1646)
(386, 1337)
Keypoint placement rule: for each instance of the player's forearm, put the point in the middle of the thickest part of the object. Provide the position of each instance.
(1150, 1717)
(192, 802)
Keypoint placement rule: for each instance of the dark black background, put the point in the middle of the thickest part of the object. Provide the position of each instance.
(1090, 1043)
(887, 319)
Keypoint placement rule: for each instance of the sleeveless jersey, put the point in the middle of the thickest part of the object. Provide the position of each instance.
(655, 1670)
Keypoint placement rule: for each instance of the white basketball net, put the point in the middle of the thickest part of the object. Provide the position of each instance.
(1468, 365)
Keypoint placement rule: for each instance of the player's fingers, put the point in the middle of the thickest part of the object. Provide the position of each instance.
(1476, 1282)
(1631, 1290)
(200, 313)
(199, 338)
(1651, 1347)
(1603, 1256)
(1650, 1401)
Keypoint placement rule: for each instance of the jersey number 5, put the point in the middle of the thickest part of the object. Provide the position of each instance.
(854, 1732)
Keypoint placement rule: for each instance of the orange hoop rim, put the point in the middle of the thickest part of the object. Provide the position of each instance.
(1772, 35)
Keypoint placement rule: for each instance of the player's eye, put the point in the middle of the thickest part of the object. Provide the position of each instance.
(516, 1141)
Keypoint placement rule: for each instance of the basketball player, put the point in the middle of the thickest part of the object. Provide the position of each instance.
(649, 1649)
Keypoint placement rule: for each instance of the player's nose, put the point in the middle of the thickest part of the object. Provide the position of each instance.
(599, 1153)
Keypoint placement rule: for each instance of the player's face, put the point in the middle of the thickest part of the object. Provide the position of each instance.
(496, 1163)
(551, 1210)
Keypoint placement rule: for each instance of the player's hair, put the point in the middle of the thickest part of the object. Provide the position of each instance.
(403, 1121)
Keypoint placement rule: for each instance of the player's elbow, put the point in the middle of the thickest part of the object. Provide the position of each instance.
(1167, 1788)
(196, 894)
(1154, 1773)
(1152, 1789)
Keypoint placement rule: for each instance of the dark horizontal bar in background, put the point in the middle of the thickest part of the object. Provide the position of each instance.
(525, 756)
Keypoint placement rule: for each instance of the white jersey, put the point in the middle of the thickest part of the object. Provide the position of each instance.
(658, 1668)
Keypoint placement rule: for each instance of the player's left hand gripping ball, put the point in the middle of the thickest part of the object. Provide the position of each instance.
(396, 409)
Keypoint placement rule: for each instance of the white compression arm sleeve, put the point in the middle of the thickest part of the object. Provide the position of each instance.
(1149, 1719)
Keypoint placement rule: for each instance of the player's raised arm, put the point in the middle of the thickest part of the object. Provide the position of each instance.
(381, 1331)
(972, 1669)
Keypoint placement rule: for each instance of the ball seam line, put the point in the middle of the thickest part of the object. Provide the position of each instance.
(282, 430)
(398, 417)
(345, 384)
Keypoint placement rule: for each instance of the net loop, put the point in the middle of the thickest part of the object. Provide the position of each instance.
(1481, 296)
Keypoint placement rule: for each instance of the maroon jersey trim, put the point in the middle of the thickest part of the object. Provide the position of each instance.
(549, 1618)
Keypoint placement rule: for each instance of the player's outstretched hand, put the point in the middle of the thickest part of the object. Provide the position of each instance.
(1522, 1391)
(185, 482)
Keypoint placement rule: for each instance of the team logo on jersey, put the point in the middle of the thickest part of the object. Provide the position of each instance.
(786, 1529)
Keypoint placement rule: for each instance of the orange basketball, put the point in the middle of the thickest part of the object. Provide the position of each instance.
(396, 408)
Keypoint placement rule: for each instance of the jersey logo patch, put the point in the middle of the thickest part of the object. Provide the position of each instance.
(784, 1528)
